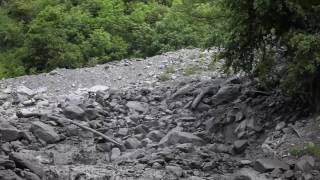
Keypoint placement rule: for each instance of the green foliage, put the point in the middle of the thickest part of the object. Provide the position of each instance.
(260, 28)
(309, 149)
(40, 35)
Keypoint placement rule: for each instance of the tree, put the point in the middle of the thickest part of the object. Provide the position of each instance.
(259, 29)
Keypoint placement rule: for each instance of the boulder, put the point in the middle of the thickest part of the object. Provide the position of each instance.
(27, 161)
(268, 165)
(73, 112)
(8, 132)
(226, 94)
(178, 137)
(44, 132)
(132, 143)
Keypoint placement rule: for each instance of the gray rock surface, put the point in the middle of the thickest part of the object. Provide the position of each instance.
(44, 132)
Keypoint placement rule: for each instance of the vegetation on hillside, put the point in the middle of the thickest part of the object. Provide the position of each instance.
(277, 41)
(40, 35)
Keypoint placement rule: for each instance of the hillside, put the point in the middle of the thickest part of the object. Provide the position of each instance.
(172, 116)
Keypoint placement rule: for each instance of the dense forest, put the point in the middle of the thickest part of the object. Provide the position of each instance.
(40, 35)
(277, 41)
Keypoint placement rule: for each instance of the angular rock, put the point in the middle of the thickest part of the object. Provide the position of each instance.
(9, 132)
(186, 148)
(30, 176)
(123, 131)
(9, 175)
(305, 163)
(195, 178)
(25, 91)
(280, 126)
(239, 146)
(155, 135)
(220, 148)
(137, 106)
(25, 160)
(178, 137)
(115, 154)
(44, 132)
(104, 147)
(249, 174)
(226, 94)
(132, 143)
(74, 112)
(268, 165)
(5, 162)
(176, 170)
(98, 88)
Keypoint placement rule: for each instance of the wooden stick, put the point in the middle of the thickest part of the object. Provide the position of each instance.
(87, 128)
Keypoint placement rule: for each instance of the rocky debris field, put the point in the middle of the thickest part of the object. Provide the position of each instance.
(124, 120)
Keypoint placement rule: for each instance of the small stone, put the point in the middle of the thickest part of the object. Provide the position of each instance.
(239, 146)
(123, 131)
(267, 165)
(194, 178)
(115, 154)
(74, 112)
(104, 147)
(186, 148)
(177, 137)
(280, 126)
(9, 132)
(137, 106)
(245, 162)
(155, 135)
(220, 148)
(44, 132)
(25, 91)
(249, 174)
(132, 143)
(176, 170)
(98, 88)
(156, 165)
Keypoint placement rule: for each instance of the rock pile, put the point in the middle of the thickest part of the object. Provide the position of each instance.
(221, 128)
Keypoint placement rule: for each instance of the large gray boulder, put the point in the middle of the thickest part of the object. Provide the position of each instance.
(44, 132)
